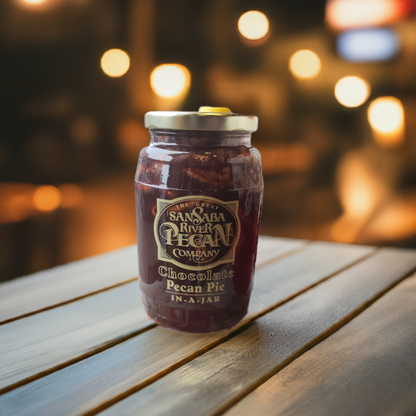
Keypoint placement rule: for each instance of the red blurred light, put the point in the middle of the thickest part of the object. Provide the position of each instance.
(348, 14)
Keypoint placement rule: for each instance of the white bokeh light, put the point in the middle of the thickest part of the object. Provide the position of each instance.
(352, 91)
(170, 80)
(253, 25)
(305, 64)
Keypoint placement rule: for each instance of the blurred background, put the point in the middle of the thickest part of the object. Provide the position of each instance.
(332, 82)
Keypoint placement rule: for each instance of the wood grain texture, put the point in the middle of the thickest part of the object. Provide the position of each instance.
(72, 330)
(139, 360)
(64, 283)
(214, 381)
(292, 275)
(39, 291)
(271, 248)
(367, 368)
(45, 340)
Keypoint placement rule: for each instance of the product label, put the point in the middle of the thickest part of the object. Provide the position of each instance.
(196, 232)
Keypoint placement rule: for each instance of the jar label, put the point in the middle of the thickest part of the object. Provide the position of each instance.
(196, 232)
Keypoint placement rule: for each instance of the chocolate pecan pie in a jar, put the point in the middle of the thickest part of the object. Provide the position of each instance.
(199, 191)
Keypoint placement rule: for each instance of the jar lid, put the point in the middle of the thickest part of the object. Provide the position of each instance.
(207, 118)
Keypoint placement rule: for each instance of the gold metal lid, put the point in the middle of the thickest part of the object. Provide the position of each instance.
(207, 119)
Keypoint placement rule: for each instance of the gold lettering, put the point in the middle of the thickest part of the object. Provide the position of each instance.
(201, 276)
(210, 241)
(168, 230)
(183, 240)
(221, 235)
(197, 218)
(162, 271)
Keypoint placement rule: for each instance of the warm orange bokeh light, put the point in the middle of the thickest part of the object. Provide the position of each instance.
(386, 118)
(348, 14)
(47, 198)
(16, 208)
(115, 63)
(396, 221)
(361, 192)
(34, 2)
(36, 5)
(253, 25)
(71, 195)
(280, 158)
(304, 64)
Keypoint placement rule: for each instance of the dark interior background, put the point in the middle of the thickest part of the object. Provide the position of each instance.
(70, 135)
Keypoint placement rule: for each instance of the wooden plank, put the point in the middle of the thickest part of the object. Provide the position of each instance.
(90, 323)
(27, 295)
(271, 248)
(214, 381)
(141, 359)
(367, 368)
(42, 290)
(45, 340)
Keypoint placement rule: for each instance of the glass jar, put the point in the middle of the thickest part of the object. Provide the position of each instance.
(199, 191)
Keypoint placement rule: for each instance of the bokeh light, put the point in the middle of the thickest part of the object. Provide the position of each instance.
(115, 63)
(386, 117)
(305, 64)
(36, 5)
(368, 45)
(71, 195)
(397, 221)
(361, 190)
(47, 198)
(132, 136)
(352, 91)
(286, 158)
(348, 14)
(170, 80)
(253, 25)
(34, 2)
(16, 202)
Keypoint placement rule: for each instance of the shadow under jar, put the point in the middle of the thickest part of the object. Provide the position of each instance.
(199, 191)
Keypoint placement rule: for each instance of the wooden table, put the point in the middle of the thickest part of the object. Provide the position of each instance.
(331, 330)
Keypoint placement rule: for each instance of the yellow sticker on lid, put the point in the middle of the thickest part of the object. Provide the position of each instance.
(206, 109)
